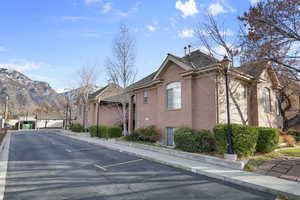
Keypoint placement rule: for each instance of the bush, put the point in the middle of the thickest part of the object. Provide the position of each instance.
(106, 131)
(268, 139)
(77, 128)
(290, 140)
(148, 134)
(190, 140)
(114, 131)
(295, 133)
(134, 137)
(244, 139)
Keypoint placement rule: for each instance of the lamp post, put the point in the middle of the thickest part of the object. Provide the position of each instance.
(98, 119)
(6, 108)
(225, 64)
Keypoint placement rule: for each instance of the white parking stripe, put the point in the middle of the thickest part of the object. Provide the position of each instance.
(98, 166)
(117, 164)
(68, 150)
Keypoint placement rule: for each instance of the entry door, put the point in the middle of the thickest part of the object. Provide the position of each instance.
(170, 136)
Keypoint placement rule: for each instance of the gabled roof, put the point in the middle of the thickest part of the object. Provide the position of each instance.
(101, 91)
(194, 60)
(120, 98)
(254, 68)
(95, 94)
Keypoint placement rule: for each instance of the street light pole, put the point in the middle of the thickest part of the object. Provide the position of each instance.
(229, 128)
(98, 119)
(226, 65)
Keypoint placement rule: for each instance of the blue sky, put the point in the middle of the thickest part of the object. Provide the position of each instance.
(49, 40)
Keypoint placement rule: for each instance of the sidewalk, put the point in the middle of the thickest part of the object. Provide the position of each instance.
(259, 182)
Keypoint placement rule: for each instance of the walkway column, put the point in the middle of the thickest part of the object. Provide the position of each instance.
(130, 115)
(188, 93)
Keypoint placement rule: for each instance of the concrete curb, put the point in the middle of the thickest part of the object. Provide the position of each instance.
(4, 150)
(254, 181)
(180, 154)
(186, 155)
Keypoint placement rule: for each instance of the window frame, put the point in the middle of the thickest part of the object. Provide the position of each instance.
(267, 104)
(171, 88)
(146, 97)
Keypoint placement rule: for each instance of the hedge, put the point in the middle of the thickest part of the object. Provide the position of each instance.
(106, 131)
(295, 133)
(146, 134)
(190, 140)
(267, 139)
(244, 139)
(77, 128)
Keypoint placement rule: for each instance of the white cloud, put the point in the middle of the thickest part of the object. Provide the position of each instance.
(216, 8)
(90, 35)
(3, 49)
(21, 65)
(151, 28)
(186, 33)
(254, 1)
(92, 1)
(75, 18)
(129, 12)
(188, 8)
(106, 7)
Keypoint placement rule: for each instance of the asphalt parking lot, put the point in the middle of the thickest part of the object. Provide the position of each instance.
(44, 165)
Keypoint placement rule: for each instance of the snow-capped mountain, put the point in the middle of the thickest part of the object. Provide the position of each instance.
(25, 95)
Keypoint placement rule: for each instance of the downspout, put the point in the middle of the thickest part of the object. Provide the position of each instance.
(217, 99)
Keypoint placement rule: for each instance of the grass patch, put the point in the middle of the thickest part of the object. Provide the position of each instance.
(291, 152)
(256, 161)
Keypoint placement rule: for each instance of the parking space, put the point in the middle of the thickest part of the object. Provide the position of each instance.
(50, 166)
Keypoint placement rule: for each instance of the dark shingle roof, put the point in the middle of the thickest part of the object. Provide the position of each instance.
(199, 59)
(254, 68)
(95, 94)
(141, 82)
(196, 59)
(118, 98)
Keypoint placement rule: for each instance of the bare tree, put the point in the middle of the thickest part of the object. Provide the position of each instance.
(87, 79)
(120, 68)
(212, 36)
(273, 33)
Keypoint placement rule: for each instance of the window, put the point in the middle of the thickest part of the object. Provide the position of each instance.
(173, 96)
(146, 97)
(277, 109)
(267, 99)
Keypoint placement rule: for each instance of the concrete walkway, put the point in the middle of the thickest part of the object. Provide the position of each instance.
(255, 181)
(283, 167)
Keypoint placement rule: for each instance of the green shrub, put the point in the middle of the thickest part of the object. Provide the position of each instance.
(106, 131)
(244, 139)
(93, 131)
(295, 133)
(77, 128)
(114, 131)
(134, 137)
(190, 140)
(267, 139)
(147, 134)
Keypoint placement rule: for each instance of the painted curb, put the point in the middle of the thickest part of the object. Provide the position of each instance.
(295, 195)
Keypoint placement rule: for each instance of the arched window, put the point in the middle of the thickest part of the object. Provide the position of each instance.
(173, 96)
(267, 99)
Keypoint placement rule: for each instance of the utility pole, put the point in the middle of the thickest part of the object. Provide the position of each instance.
(6, 108)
